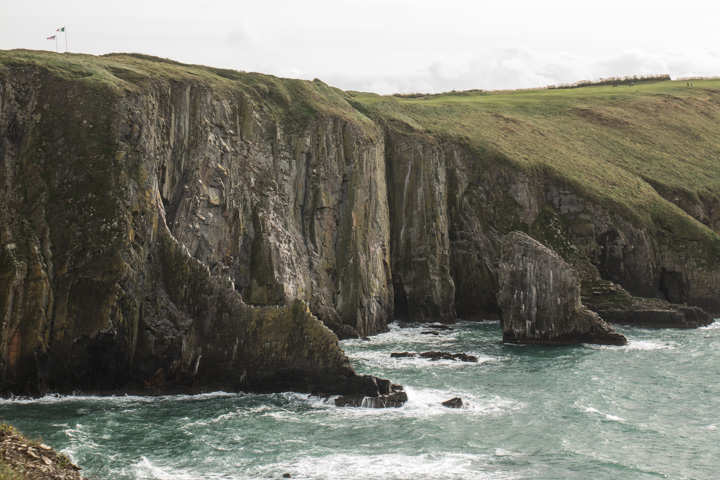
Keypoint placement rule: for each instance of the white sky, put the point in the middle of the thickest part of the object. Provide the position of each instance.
(392, 45)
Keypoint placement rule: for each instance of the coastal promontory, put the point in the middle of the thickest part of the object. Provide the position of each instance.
(168, 227)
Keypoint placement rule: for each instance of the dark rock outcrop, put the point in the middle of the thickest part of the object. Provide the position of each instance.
(463, 357)
(540, 298)
(433, 356)
(403, 355)
(615, 305)
(455, 402)
(392, 397)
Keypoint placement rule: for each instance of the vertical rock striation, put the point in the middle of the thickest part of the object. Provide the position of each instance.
(540, 298)
(164, 226)
(131, 215)
(422, 283)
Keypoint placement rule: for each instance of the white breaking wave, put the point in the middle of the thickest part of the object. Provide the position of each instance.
(146, 469)
(713, 326)
(636, 345)
(120, 399)
(449, 466)
(650, 345)
(612, 418)
(426, 403)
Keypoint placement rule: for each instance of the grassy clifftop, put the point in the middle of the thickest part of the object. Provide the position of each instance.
(294, 100)
(643, 151)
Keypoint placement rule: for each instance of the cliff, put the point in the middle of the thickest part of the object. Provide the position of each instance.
(164, 225)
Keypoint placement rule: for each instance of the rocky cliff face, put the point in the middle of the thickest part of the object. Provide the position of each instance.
(158, 223)
(417, 184)
(540, 298)
(286, 212)
(133, 218)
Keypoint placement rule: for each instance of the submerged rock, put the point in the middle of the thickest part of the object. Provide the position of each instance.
(394, 398)
(464, 357)
(540, 298)
(403, 355)
(439, 326)
(453, 403)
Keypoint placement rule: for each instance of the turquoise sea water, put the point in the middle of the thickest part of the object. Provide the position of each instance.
(648, 410)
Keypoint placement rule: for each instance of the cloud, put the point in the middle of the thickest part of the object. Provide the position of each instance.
(243, 34)
(516, 67)
(676, 63)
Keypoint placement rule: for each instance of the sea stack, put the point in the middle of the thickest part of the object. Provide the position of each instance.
(540, 298)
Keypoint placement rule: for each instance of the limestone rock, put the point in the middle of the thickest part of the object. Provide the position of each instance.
(540, 298)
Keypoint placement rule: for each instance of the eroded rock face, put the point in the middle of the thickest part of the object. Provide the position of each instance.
(423, 286)
(540, 298)
(361, 217)
(129, 220)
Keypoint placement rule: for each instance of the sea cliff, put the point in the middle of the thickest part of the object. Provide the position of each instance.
(171, 227)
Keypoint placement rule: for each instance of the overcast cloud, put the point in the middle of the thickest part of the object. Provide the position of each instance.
(392, 45)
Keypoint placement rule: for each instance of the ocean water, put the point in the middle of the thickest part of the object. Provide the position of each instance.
(648, 410)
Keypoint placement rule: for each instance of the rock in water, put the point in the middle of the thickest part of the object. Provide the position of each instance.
(395, 397)
(463, 357)
(540, 298)
(403, 355)
(453, 403)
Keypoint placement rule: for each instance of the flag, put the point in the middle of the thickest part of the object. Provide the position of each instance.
(60, 29)
(51, 38)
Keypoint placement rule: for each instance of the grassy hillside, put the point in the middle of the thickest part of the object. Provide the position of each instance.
(636, 150)
(631, 149)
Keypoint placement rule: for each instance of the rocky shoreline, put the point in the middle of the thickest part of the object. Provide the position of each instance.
(24, 459)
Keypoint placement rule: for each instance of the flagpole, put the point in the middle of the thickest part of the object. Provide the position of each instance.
(56, 49)
(65, 31)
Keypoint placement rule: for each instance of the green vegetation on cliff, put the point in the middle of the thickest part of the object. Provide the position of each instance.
(295, 100)
(644, 151)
